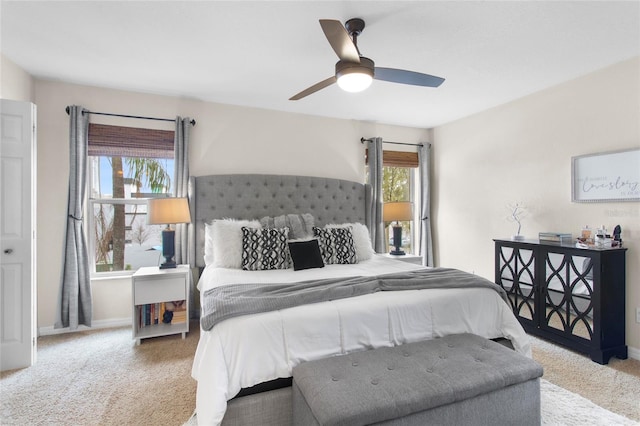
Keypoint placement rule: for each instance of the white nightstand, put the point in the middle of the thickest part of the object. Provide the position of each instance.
(156, 291)
(410, 258)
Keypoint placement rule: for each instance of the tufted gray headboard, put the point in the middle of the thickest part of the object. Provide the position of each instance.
(253, 196)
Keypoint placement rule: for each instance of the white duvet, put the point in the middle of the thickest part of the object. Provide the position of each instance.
(244, 351)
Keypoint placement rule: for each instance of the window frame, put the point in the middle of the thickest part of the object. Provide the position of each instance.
(121, 141)
(92, 202)
(412, 191)
(409, 160)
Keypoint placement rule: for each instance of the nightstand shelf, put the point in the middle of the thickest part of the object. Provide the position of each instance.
(409, 258)
(157, 330)
(154, 291)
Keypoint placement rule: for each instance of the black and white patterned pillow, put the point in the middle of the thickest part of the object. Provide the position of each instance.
(264, 249)
(336, 245)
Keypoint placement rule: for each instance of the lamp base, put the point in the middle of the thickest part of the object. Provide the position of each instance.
(168, 264)
(397, 241)
(168, 248)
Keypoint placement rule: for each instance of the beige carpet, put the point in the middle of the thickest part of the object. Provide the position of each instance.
(101, 378)
(615, 386)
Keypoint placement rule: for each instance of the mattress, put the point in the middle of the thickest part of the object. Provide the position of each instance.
(244, 351)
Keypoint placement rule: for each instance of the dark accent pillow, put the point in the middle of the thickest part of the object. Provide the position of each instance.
(264, 249)
(336, 245)
(305, 255)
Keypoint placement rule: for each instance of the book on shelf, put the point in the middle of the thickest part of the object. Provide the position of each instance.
(555, 237)
(179, 312)
(179, 319)
(153, 313)
(150, 314)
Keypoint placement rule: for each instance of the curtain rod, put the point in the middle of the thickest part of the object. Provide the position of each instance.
(193, 122)
(363, 140)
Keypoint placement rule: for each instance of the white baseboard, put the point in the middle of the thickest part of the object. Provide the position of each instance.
(108, 323)
(634, 353)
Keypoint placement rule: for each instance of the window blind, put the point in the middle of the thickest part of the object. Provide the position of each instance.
(396, 158)
(120, 141)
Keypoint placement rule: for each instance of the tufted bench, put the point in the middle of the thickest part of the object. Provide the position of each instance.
(460, 379)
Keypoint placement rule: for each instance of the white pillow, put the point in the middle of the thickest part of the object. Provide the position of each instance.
(361, 239)
(208, 244)
(226, 242)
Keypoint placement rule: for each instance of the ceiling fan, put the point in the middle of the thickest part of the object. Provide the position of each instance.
(355, 72)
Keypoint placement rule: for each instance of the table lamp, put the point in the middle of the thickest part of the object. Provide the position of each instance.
(397, 211)
(165, 211)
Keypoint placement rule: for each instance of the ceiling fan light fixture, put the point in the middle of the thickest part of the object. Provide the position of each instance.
(355, 81)
(354, 77)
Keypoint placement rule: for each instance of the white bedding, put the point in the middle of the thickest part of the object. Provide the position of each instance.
(244, 351)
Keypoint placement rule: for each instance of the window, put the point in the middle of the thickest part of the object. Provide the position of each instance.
(399, 170)
(397, 186)
(127, 166)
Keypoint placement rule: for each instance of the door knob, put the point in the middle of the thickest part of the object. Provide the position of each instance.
(8, 251)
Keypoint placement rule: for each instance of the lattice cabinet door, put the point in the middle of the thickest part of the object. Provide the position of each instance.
(567, 294)
(516, 273)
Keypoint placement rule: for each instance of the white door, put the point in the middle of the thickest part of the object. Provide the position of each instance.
(17, 234)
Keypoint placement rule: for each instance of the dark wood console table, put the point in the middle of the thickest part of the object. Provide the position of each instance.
(572, 296)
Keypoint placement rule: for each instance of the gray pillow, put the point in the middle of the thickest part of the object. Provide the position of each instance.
(300, 225)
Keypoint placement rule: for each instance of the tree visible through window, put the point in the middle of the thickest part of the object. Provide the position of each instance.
(396, 184)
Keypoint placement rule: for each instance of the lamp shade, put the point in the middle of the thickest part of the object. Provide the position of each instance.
(397, 211)
(168, 210)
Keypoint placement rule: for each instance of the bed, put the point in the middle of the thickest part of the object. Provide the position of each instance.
(243, 363)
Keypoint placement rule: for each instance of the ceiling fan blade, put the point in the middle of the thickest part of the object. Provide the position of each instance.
(318, 86)
(407, 77)
(340, 41)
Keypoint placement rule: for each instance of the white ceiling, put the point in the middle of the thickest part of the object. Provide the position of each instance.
(260, 53)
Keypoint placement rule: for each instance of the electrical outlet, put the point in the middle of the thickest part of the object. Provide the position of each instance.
(638, 315)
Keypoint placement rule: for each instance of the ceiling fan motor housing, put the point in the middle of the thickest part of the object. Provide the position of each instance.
(366, 66)
(354, 26)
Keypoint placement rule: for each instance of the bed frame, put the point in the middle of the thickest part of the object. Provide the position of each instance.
(253, 196)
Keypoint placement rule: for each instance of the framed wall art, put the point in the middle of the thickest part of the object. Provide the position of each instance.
(606, 177)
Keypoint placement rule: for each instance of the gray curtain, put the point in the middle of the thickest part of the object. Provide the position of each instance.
(424, 165)
(74, 301)
(181, 179)
(374, 206)
(185, 232)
